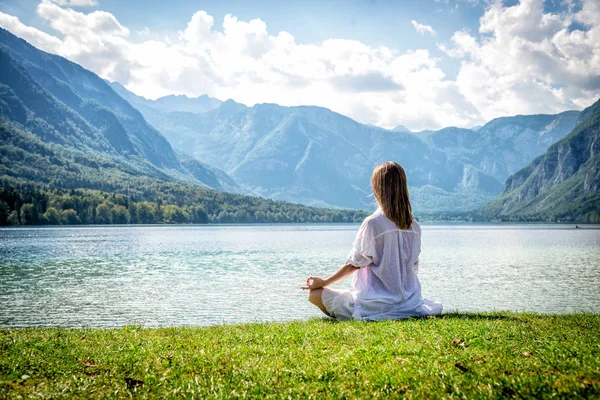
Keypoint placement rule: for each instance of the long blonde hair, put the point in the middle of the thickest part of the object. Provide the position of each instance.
(391, 191)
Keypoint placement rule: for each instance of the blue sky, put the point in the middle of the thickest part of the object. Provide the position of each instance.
(420, 63)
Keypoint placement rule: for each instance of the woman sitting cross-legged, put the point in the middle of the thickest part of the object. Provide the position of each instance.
(384, 260)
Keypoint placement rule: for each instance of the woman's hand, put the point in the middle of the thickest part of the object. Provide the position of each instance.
(314, 282)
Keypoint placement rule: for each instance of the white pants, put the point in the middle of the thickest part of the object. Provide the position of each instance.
(340, 305)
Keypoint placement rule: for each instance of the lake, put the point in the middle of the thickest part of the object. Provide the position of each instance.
(107, 276)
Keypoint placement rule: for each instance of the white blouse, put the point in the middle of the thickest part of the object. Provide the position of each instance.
(387, 286)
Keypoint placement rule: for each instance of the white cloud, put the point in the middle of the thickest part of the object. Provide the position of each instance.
(524, 61)
(40, 39)
(422, 28)
(72, 23)
(529, 61)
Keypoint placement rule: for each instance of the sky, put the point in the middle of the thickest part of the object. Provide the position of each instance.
(424, 64)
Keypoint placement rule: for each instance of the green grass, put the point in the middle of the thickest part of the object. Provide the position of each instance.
(453, 356)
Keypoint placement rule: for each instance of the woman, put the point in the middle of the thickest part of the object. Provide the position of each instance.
(384, 259)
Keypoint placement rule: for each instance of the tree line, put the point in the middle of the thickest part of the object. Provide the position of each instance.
(27, 204)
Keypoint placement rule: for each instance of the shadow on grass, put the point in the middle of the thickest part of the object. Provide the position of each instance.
(486, 316)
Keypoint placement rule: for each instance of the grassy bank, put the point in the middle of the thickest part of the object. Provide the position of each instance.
(457, 355)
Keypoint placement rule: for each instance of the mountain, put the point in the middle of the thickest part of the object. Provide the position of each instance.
(563, 184)
(315, 156)
(401, 128)
(64, 104)
(503, 145)
(171, 103)
(187, 104)
(303, 154)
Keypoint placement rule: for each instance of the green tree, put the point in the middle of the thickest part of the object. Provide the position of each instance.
(132, 208)
(103, 214)
(91, 213)
(66, 201)
(4, 213)
(69, 217)
(146, 212)
(159, 213)
(52, 216)
(223, 217)
(260, 216)
(174, 214)
(120, 215)
(198, 215)
(13, 218)
(27, 214)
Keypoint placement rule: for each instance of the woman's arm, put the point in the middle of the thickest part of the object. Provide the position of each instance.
(314, 282)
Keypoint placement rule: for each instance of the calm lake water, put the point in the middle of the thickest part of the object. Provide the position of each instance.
(203, 275)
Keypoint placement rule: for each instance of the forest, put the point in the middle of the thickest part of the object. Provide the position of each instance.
(28, 204)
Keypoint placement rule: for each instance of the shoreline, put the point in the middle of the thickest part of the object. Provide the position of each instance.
(450, 314)
(586, 225)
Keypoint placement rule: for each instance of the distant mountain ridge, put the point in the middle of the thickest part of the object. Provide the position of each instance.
(563, 184)
(315, 156)
(503, 145)
(401, 128)
(170, 103)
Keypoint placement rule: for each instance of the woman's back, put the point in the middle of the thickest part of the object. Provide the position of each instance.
(389, 259)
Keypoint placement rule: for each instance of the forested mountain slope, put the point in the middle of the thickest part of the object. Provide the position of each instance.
(62, 103)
